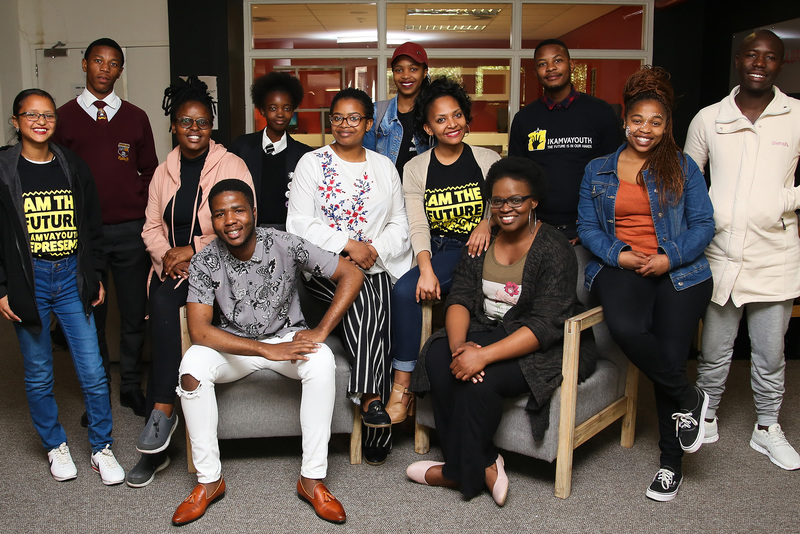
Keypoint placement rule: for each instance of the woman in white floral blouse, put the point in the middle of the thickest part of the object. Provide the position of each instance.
(349, 200)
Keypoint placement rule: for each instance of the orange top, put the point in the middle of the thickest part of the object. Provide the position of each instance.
(633, 221)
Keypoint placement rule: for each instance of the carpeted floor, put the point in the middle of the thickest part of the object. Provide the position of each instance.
(727, 487)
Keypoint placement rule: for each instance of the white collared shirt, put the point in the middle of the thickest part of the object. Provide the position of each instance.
(86, 100)
(280, 146)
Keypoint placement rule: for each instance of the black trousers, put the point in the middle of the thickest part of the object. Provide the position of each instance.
(653, 324)
(165, 326)
(129, 262)
(467, 415)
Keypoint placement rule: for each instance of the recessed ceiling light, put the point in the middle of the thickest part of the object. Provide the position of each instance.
(454, 12)
(446, 27)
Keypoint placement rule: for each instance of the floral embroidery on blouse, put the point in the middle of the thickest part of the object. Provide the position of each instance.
(343, 211)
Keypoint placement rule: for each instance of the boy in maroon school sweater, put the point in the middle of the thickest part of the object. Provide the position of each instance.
(114, 137)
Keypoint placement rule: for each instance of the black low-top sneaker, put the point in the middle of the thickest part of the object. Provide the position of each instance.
(665, 485)
(376, 416)
(689, 425)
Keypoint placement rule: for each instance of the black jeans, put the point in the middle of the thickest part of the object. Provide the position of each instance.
(653, 324)
(165, 327)
(129, 262)
(467, 415)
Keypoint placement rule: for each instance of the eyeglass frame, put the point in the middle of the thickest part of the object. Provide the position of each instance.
(508, 200)
(346, 119)
(29, 116)
(189, 125)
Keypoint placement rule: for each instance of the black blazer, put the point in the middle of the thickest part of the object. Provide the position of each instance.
(248, 147)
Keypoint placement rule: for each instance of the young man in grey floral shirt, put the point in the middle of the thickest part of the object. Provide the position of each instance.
(251, 274)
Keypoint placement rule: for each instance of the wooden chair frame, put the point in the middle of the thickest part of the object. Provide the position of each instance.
(569, 436)
(355, 436)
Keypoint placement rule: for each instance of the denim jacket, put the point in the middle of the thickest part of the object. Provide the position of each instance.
(683, 229)
(385, 138)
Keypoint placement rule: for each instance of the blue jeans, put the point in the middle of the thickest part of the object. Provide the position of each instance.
(57, 292)
(407, 312)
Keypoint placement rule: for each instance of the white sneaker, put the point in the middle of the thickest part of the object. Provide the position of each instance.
(712, 432)
(773, 443)
(111, 472)
(61, 465)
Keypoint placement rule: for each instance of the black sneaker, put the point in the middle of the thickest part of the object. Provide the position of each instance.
(376, 416)
(689, 425)
(665, 485)
(146, 468)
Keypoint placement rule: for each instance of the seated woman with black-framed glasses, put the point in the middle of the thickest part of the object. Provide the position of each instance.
(503, 335)
(347, 199)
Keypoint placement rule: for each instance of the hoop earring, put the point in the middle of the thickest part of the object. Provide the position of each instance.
(466, 134)
(535, 220)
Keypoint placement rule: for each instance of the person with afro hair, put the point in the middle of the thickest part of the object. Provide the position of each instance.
(271, 154)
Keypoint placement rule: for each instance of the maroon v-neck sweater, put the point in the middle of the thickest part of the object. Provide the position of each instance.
(121, 154)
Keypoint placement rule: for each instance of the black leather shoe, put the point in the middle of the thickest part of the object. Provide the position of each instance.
(376, 416)
(133, 399)
(85, 420)
(375, 455)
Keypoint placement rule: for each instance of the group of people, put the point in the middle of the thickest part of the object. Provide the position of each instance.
(398, 210)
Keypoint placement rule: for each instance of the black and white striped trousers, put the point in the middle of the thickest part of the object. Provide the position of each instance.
(367, 336)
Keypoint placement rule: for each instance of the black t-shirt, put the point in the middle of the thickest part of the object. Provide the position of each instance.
(187, 203)
(273, 199)
(49, 209)
(453, 199)
(407, 147)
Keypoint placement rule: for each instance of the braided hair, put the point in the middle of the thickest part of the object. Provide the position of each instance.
(192, 89)
(666, 162)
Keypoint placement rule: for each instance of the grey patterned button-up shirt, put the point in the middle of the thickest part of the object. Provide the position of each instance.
(258, 298)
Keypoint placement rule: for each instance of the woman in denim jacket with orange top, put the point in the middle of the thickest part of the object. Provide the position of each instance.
(645, 214)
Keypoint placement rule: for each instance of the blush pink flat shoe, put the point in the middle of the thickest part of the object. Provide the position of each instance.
(417, 470)
(500, 489)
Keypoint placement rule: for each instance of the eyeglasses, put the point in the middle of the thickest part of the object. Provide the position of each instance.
(34, 117)
(186, 123)
(513, 202)
(351, 120)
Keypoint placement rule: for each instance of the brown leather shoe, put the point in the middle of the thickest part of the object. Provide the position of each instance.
(194, 506)
(325, 504)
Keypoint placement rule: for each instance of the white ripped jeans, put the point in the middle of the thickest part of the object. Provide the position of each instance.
(210, 367)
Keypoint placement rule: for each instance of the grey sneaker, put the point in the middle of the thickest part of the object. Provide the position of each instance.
(773, 443)
(712, 431)
(157, 432)
(61, 465)
(146, 468)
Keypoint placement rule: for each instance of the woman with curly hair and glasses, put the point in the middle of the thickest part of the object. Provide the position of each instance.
(177, 225)
(645, 214)
(503, 335)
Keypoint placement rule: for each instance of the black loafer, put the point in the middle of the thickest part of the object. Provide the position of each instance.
(133, 399)
(376, 416)
(375, 455)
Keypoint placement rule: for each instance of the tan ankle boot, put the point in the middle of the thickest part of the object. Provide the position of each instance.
(395, 408)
